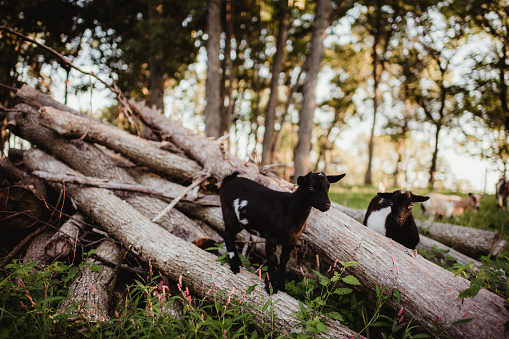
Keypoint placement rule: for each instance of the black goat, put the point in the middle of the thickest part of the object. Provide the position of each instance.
(390, 214)
(279, 217)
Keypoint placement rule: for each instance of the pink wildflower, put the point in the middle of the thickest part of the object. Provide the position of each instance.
(400, 311)
(92, 287)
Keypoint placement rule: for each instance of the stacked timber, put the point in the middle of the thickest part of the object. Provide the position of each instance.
(158, 198)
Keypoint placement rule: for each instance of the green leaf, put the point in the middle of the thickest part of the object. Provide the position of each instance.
(336, 316)
(343, 291)
(320, 327)
(96, 268)
(351, 280)
(461, 321)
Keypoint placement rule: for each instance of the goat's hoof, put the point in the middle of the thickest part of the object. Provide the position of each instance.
(235, 269)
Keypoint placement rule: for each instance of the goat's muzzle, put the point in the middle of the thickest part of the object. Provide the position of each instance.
(399, 221)
(325, 207)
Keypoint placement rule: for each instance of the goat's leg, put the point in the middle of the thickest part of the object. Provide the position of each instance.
(283, 260)
(231, 229)
(270, 252)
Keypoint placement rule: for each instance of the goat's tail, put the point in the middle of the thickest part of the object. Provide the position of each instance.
(229, 178)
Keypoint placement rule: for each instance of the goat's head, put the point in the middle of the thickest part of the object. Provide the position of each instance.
(315, 186)
(401, 203)
(475, 200)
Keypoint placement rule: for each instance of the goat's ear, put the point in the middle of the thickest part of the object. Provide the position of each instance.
(335, 178)
(419, 198)
(385, 195)
(301, 180)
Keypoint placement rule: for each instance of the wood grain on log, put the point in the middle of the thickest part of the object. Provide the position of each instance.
(91, 290)
(137, 149)
(63, 242)
(175, 257)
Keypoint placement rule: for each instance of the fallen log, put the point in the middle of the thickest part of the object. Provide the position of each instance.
(174, 257)
(455, 238)
(137, 149)
(429, 293)
(467, 240)
(35, 251)
(63, 242)
(91, 290)
(93, 162)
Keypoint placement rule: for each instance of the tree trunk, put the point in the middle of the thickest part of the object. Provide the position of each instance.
(63, 242)
(434, 159)
(174, 257)
(92, 289)
(321, 22)
(213, 83)
(467, 240)
(277, 64)
(156, 80)
(138, 149)
(376, 79)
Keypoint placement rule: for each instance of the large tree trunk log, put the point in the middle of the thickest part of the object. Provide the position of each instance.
(35, 251)
(92, 289)
(92, 161)
(429, 293)
(467, 240)
(464, 240)
(63, 242)
(173, 256)
(138, 149)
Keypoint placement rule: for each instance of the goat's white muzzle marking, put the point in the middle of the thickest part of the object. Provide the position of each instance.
(237, 206)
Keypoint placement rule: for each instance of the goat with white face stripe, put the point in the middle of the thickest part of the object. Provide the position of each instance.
(279, 217)
(390, 214)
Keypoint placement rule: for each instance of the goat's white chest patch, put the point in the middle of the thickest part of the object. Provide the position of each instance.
(376, 220)
(238, 205)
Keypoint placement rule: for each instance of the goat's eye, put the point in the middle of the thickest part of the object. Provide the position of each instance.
(311, 188)
(391, 203)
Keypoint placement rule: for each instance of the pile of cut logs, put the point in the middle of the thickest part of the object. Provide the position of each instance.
(156, 199)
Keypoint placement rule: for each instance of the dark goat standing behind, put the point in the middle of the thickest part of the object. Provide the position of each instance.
(279, 217)
(390, 214)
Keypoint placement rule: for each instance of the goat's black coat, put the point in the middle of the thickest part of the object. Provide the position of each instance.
(279, 217)
(399, 224)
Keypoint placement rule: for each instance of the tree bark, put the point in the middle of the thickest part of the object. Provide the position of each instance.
(35, 251)
(428, 243)
(377, 32)
(156, 79)
(138, 149)
(92, 289)
(63, 242)
(302, 162)
(174, 257)
(212, 86)
(467, 240)
(277, 64)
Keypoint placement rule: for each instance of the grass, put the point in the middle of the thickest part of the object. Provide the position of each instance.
(30, 299)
